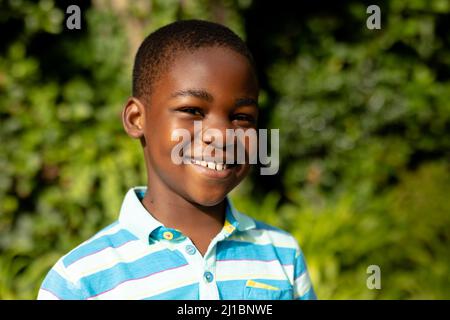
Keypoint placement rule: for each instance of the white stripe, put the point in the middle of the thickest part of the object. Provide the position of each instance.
(46, 295)
(109, 257)
(302, 285)
(264, 237)
(151, 285)
(110, 231)
(240, 270)
(61, 269)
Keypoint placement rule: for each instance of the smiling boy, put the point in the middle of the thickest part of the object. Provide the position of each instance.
(180, 237)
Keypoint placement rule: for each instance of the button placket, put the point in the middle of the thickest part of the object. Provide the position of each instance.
(193, 257)
(209, 277)
(209, 289)
(204, 267)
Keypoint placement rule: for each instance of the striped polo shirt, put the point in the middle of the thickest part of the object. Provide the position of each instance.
(137, 257)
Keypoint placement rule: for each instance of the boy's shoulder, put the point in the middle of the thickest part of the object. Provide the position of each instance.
(112, 236)
(261, 225)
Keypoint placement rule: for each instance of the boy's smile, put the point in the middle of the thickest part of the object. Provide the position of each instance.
(214, 85)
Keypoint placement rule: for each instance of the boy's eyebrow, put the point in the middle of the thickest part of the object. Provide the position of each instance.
(197, 93)
(205, 95)
(246, 102)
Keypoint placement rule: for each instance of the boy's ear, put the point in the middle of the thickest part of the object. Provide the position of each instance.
(133, 118)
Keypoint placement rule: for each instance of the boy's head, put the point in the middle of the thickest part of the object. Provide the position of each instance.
(161, 48)
(184, 72)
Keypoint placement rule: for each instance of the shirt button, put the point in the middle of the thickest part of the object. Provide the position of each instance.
(190, 249)
(168, 235)
(208, 276)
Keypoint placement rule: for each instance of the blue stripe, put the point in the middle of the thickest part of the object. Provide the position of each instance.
(300, 266)
(264, 226)
(61, 288)
(231, 289)
(108, 279)
(236, 250)
(236, 289)
(189, 292)
(115, 240)
(309, 295)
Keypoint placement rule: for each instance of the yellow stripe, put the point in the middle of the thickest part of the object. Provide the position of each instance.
(255, 284)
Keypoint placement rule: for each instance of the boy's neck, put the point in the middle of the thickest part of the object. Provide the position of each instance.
(200, 223)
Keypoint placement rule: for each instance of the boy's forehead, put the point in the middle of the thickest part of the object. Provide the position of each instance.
(214, 67)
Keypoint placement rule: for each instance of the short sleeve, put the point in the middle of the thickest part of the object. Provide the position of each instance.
(303, 288)
(58, 286)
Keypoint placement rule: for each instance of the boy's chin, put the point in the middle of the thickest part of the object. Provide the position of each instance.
(208, 199)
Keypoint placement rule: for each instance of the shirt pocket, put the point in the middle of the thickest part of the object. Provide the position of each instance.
(258, 290)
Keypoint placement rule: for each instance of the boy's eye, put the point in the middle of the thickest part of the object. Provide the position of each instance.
(192, 110)
(244, 117)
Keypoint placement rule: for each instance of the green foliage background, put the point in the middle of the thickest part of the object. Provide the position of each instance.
(364, 118)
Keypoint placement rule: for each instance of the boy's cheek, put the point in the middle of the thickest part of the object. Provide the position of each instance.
(245, 171)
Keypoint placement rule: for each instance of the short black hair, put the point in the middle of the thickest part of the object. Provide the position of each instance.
(159, 49)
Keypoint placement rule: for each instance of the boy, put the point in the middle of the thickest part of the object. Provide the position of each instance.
(181, 238)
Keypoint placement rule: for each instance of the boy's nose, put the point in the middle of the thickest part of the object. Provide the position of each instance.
(215, 133)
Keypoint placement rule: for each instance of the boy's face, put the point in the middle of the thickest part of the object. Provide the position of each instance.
(216, 86)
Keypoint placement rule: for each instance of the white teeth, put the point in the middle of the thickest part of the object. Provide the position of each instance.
(210, 165)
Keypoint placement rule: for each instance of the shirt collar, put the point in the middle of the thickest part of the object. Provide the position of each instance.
(135, 217)
(237, 219)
